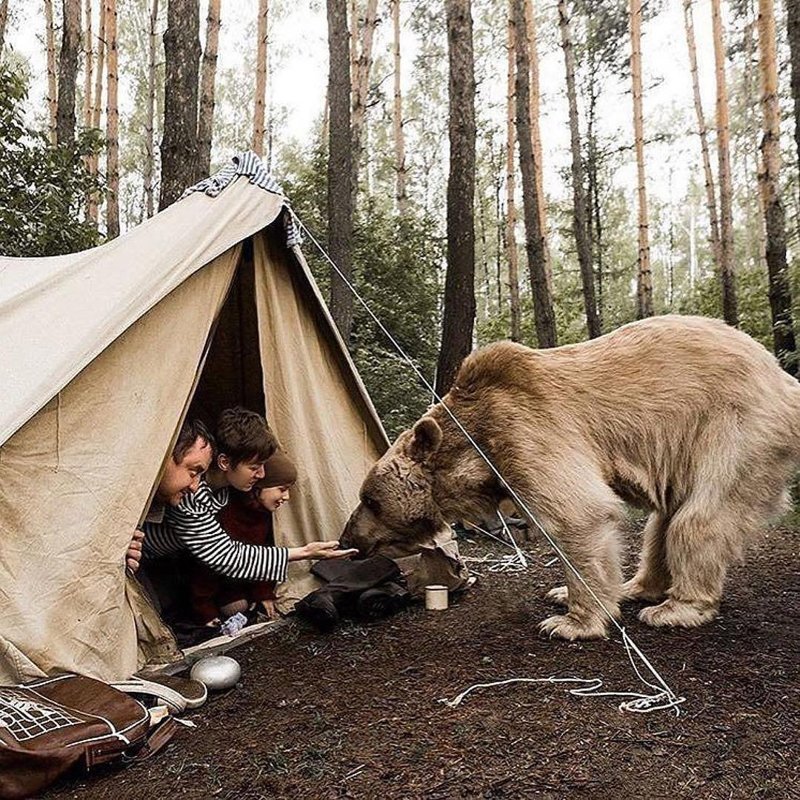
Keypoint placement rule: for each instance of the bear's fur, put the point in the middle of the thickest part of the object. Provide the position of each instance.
(683, 416)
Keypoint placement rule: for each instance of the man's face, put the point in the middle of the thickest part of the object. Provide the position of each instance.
(184, 477)
(244, 475)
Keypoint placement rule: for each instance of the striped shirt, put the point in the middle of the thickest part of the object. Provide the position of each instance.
(193, 526)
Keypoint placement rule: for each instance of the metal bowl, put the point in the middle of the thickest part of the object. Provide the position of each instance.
(217, 672)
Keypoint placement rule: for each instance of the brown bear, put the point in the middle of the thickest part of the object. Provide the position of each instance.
(683, 416)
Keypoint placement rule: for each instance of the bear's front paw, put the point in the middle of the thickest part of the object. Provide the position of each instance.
(674, 613)
(634, 589)
(558, 595)
(571, 627)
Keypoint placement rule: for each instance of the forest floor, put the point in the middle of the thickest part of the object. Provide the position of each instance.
(356, 713)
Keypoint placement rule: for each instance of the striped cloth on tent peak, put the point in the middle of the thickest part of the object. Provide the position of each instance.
(250, 165)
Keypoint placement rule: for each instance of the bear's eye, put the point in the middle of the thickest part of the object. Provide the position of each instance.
(372, 504)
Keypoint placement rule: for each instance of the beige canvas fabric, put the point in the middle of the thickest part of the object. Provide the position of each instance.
(75, 479)
(316, 405)
(99, 355)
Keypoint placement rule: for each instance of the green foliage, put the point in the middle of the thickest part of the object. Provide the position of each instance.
(42, 188)
(396, 264)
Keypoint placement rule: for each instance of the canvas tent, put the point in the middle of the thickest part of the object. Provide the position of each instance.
(102, 354)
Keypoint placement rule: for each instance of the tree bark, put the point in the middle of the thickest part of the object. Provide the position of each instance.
(644, 281)
(112, 123)
(97, 102)
(181, 70)
(511, 209)
(727, 275)
(208, 77)
(88, 64)
(711, 195)
(580, 221)
(780, 297)
(3, 21)
(793, 31)
(363, 67)
(259, 114)
(400, 193)
(68, 72)
(459, 290)
(149, 124)
(52, 89)
(544, 318)
(536, 137)
(340, 168)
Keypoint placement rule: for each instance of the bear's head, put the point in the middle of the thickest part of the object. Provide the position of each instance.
(425, 480)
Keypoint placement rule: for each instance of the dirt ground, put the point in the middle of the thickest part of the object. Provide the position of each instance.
(356, 713)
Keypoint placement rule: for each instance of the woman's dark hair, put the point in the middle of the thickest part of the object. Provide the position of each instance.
(190, 432)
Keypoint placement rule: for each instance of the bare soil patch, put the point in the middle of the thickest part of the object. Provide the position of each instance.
(355, 713)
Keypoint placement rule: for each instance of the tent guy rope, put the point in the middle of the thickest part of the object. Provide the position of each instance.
(663, 697)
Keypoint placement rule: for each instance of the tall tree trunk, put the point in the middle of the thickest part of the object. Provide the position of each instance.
(793, 30)
(580, 221)
(727, 275)
(711, 195)
(644, 279)
(88, 64)
(68, 71)
(534, 239)
(112, 123)
(459, 289)
(780, 297)
(150, 111)
(181, 70)
(208, 77)
(259, 115)
(536, 96)
(97, 101)
(340, 168)
(401, 197)
(52, 97)
(752, 126)
(594, 227)
(511, 208)
(361, 86)
(3, 21)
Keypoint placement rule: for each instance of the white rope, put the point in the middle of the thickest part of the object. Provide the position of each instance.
(663, 693)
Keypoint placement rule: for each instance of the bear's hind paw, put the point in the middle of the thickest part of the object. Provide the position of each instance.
(674, 613)
(570, 627)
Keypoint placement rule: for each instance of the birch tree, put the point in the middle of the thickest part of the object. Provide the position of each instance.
(459, 291)
(727, 276)
(580, 220)
(644, 280)
(340, 169)
(112, 122)
(52, 86)
(149, 124)
(711, 195)
(780, 298)
(208, 76)
(400, 192)
(511, 209)
(259, 113)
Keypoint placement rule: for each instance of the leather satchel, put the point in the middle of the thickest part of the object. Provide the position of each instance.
(53, 724)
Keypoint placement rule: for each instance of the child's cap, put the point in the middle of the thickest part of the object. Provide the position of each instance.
(278, 471)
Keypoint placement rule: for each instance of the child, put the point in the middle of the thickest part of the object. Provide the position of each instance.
(246, 518)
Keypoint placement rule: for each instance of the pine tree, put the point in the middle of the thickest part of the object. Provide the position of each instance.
(259, 106)
(112, 123)
(68, 72)
(149, 125)
(459, 290)
(400, 192)
(511, 210)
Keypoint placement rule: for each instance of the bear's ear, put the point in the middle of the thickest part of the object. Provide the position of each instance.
(425, 441)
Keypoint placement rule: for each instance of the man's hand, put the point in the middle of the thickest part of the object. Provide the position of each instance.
(270, 609)
(133, 557)
(320, 550)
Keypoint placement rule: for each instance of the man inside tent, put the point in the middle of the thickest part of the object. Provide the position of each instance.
(183, 517)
